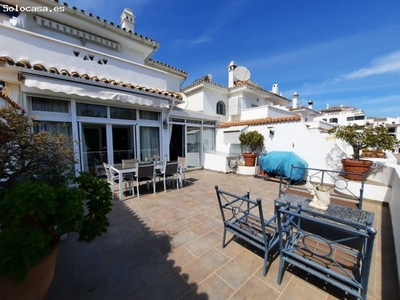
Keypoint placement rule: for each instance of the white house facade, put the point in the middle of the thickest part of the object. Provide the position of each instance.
(243, 106)
(342, 115)
(96, 82)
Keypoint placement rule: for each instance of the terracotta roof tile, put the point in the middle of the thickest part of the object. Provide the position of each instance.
(206, 78)
(10, 101)
(165, 65)
(7, 60)
(53, 70)
(337, 109)
(240, 83)
(39, 67)
(64, 72)
(262, 121)
(23, 63)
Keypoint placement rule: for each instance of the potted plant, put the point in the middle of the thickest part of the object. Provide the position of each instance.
(37, 206)
(360, 137)
(254, 141)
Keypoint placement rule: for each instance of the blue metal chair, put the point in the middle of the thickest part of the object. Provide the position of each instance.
(244, 218)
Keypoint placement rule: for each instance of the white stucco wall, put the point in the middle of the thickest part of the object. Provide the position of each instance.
(20, 44)
(263, 112)
(211, 98)
(312, 146)
(394, 206)
(193, 102)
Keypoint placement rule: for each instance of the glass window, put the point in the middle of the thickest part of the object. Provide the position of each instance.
(359, 117)
(221, 110)
(91, 110)
(208, 139)
(350, 118)
(209, 123)
(52, 127)
(122, 113)
(45, 104)
(148, 115)
(177, 120)
(333, 120)
(149, 143)
(193, 121)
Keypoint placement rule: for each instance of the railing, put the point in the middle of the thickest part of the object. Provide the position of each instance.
(340, 188)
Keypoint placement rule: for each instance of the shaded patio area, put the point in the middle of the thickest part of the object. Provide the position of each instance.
(168, 246)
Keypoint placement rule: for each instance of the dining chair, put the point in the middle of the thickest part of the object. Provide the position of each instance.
(145, 172)
(170, 170)
(130, 163)
(182, 169)
(113, 178)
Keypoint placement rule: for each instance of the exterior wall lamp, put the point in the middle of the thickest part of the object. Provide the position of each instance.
(271, 130)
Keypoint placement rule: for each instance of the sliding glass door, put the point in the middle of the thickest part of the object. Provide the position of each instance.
(93, 147)
(193, 143)
(105, 143)
(123, 142)
(149, 143)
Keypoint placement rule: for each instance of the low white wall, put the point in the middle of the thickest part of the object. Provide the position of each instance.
(394, 205)
(220, 162)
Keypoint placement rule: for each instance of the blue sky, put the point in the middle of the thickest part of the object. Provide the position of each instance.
(338, 52)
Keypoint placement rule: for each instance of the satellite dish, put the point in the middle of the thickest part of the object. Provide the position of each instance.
(241, 73)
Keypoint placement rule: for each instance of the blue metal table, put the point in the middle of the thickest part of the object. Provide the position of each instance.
(334, 245)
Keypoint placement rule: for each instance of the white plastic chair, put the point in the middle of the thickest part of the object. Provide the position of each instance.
(182, 169)
(113, 179)
(130, 163)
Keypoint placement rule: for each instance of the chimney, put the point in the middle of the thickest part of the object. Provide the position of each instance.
(275, 88)
(231, 80)
(295, 100)
(310, 104)
(128, 20)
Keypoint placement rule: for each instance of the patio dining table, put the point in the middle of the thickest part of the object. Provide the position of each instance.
(120, 170)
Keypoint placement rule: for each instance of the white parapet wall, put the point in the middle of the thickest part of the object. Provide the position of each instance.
(394, 206)
(243, 170)
(221, 162)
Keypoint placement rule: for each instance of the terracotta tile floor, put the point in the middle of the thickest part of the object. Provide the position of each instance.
(168, 246)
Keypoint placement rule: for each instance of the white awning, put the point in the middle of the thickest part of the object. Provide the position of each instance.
(96, 92)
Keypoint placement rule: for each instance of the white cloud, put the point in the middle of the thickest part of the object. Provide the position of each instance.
(386, 64)
(196, 41)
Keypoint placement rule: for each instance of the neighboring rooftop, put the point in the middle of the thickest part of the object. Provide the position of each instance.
(261, 121)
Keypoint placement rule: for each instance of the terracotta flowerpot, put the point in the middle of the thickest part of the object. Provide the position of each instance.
(380, 155)
(356, 166)
(367, 153)
(37, 281)
(249, 159)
